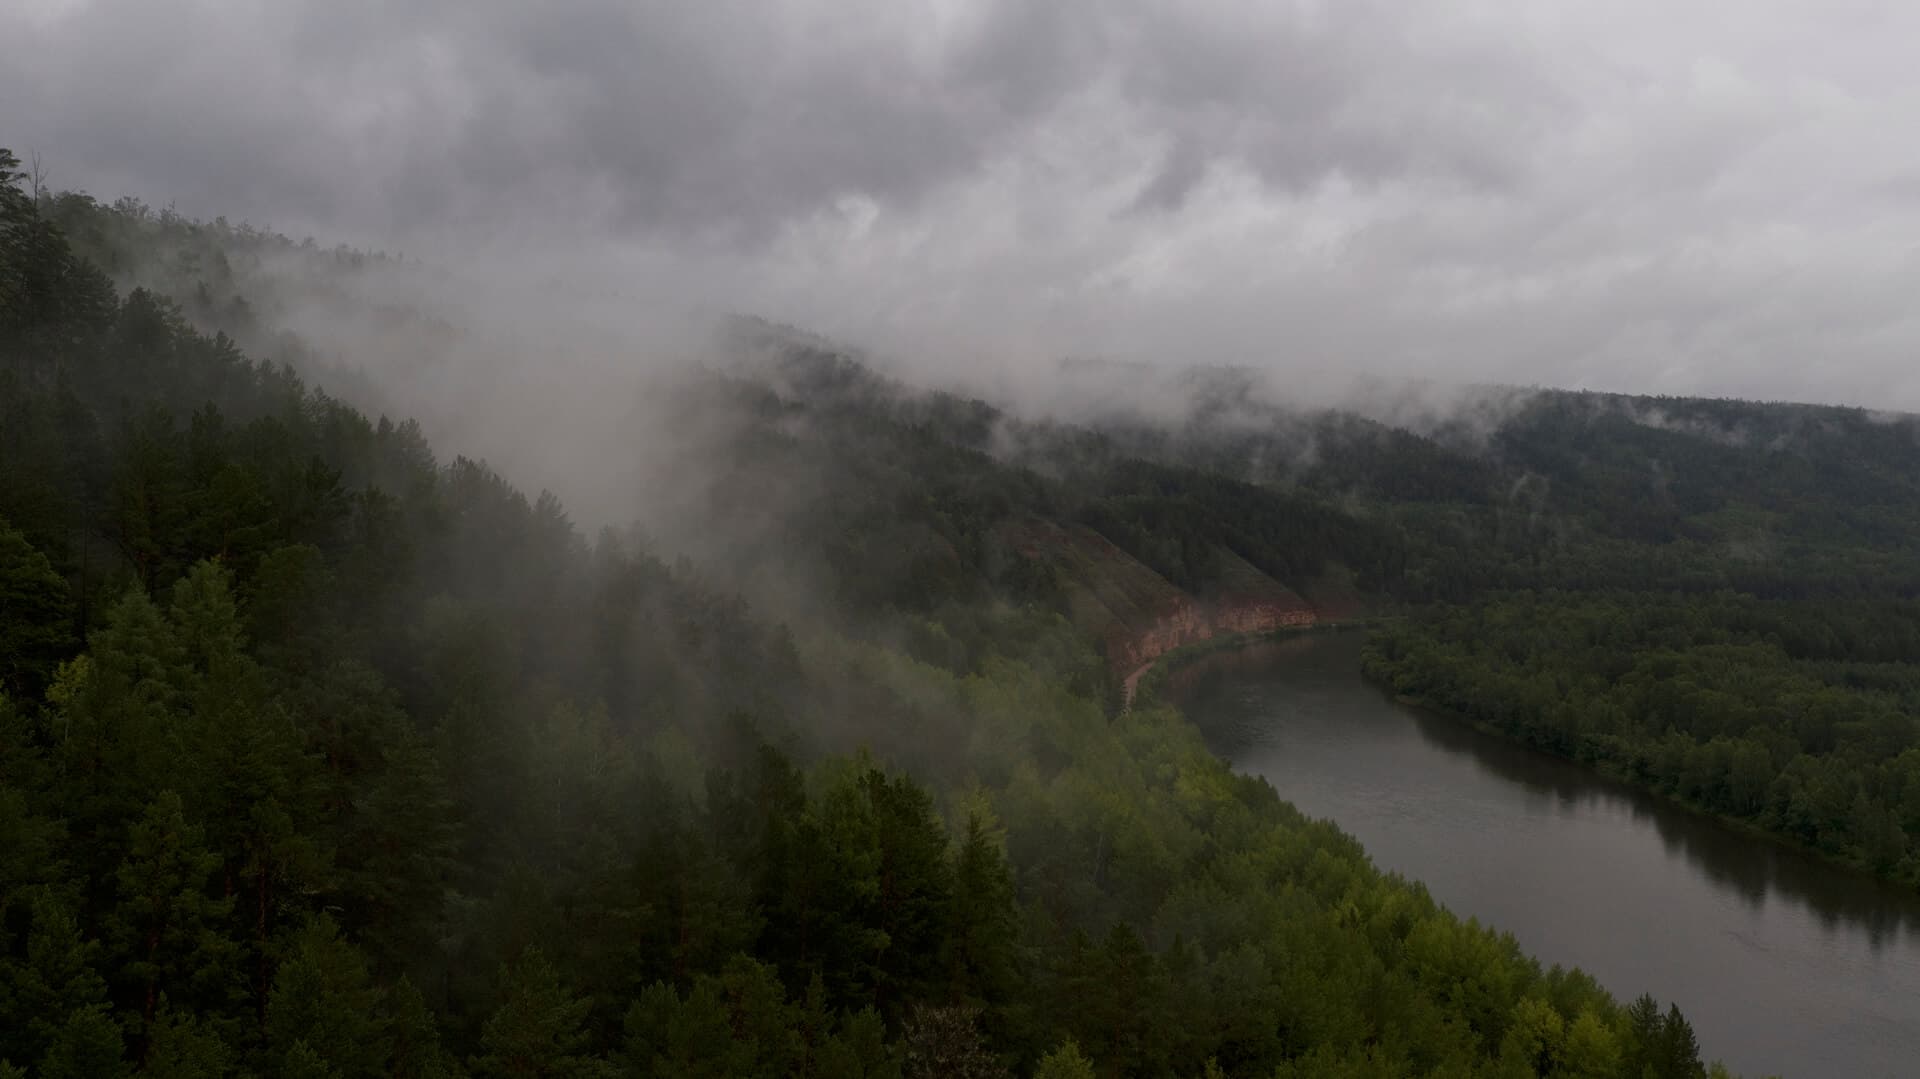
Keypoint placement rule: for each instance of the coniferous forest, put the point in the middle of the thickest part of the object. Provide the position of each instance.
(322, 755)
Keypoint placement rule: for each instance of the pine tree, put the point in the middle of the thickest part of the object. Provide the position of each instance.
(257, 789)
(913, 888)
(979, 944)
(396, 855)
(31, 846)
(148, 502)
(1066, 1062)
(303, 1061)
(671, 1037)
(118, 720)
(1678, 1056)
(36, 618)
(56, 980)
(417, 1052)
(164, 923)
(700, 904)
(760, 1018)
(858, 1049)
(537, 1031)
(1643, 1035)
(736, 1023)
(324, 1002)
(178, 1046)
(86, 1046)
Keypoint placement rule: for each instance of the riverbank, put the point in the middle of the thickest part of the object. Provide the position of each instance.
(1783, 965)
(1150, 676)
(1166, 663)
(1618, 773)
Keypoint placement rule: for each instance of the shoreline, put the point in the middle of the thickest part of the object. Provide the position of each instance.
(1609, 771)
(1187, 653)
(1169, 661)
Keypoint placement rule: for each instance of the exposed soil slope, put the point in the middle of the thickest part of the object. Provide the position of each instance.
(1138, 615)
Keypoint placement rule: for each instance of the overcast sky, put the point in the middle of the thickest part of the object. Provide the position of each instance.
(1675, 197)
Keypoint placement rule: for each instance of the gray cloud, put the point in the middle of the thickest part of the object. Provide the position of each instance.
(725, 114)
(1708, 197)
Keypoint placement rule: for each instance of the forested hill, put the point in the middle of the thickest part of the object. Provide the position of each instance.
(1717, 600)
(323, 756)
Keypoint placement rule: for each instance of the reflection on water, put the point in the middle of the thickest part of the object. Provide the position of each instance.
(1783, 962)
(1749, 866)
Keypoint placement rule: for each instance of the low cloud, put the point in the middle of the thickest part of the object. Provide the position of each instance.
(1634, 197)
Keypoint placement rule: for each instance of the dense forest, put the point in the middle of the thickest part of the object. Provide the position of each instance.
(321, 756)
(1716, 600)
(1793, 716)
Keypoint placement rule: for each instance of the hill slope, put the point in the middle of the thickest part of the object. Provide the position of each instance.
(320, 756)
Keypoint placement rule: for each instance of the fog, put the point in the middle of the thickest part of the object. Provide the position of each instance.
(1058, 206)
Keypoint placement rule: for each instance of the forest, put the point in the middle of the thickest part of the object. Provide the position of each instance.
(1792, 716)
(322, 756)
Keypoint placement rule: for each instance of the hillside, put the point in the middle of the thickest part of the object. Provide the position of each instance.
(954, 528)
(322, 756)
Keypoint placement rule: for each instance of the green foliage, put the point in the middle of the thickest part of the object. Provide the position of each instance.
(180, 1047)
(165, 920)
(325, 1005)
(1794, 716)
(87, 1046)
(55, 981)
(322, 757)
(1066, 1062)
(946, 1041)
(979, 948)
(537, 1032)
(35, 617)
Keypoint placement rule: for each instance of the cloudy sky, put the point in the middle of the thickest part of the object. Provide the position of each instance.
(1701, 196)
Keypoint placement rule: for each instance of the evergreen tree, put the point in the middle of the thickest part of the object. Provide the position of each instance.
(417, 1049)
(1678, 1052)
(180, 1047)
(979, 944)
(676, 1037)
(35, 617)
(913, 888)
(1066, 1062)
(86, 1046)
(398, 840)
(857, 1049)
(119, 712)
(30, 845)
(324, 1005)
(54, 982)
(536, 1032)
(165, 921)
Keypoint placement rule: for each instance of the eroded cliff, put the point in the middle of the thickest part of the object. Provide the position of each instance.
(1138, 615)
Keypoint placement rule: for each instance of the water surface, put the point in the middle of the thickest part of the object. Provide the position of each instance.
(1782, 963)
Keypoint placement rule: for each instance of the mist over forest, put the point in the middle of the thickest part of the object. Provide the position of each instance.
(846, 664)
(611, 540)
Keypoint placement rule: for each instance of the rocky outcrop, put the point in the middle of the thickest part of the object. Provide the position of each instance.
(1262, 617)
(1132, 650)
(1137, 614)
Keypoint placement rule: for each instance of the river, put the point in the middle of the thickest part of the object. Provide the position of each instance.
(1783, 964)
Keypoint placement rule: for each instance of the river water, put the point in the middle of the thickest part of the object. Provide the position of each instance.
(1784, 965)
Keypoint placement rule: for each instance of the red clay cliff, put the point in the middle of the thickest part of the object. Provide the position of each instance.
(1188, 621)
